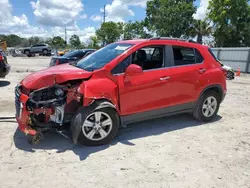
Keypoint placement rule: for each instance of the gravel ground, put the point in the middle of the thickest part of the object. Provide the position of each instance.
(170, 152)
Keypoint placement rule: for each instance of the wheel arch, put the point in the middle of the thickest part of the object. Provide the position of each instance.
(102, 91)
(217, 88)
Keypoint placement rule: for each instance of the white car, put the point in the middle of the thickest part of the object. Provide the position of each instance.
(230, 72)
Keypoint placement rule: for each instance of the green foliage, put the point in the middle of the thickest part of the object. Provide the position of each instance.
(199, 29)
(34, 40)
(11, 40)
(75, 41)
(58, 42)
(231, 20)
(170, 17)
(94, 42)
(109, 32)
(135, 30)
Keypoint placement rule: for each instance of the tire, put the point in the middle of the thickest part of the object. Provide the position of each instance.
(201, 113)
(80, 133)
(27, 52)
(230, 75)
(45, 52)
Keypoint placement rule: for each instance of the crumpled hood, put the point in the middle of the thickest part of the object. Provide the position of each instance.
(54, 75)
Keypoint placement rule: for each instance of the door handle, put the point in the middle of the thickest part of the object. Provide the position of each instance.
(202, 70)
(164, 78)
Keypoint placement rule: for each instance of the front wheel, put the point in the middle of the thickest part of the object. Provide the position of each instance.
(97, 127)
(27, 52)
(207, 107)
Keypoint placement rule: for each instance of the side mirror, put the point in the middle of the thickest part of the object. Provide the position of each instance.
(133, 70)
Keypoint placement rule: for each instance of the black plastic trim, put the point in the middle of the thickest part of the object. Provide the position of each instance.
(162, 112)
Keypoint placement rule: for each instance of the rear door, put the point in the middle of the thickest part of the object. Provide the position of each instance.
(186, 74)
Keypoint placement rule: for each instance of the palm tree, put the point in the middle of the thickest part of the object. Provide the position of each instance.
(200, 28)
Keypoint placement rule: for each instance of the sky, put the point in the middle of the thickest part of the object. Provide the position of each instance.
(48, 18)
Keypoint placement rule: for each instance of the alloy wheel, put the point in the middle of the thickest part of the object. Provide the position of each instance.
(97, 126)
(209, 106)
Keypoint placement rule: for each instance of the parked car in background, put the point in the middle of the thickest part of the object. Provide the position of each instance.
(4, 66)
(43, 49)
(122, 83)
(72, 56)
(230, 72)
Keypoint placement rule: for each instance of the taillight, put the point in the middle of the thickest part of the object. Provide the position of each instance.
(1, 58)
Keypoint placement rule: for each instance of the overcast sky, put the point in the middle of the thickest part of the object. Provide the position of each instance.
(47, 18)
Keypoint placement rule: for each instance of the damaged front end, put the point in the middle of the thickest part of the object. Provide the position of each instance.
(46, 109)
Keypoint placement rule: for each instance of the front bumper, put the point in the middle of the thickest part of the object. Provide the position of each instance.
(22, 114)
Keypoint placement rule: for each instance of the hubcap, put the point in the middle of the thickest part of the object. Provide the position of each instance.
(209, 106)
(97, 126)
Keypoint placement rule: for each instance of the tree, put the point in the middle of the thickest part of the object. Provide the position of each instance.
(49, 41)
(200, 28)
(135, 30)
(108, 33)
(75, 41)
(34, 40)
(58, 42)
(170, 17)
(93, 42)
(231, 21)
(12, 40)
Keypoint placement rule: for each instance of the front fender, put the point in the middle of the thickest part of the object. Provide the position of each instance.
(96, 89)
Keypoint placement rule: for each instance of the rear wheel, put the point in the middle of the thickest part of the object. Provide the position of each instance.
(207, 107)
(97, 127)
(45, 52)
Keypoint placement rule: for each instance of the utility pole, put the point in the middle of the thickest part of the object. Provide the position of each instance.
(104, 13)
(65, 36)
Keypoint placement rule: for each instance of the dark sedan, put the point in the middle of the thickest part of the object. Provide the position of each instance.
(70, 57)
(4, 66)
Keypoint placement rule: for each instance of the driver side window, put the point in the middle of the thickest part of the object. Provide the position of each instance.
(146, 57)
(149, 57)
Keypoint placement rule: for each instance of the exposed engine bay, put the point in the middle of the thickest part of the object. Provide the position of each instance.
(52, 107)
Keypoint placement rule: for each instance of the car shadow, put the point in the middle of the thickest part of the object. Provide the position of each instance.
(125, 136)
(4, 83)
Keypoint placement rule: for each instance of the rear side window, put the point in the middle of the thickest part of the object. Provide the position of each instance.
(186, 56)
(212, 54)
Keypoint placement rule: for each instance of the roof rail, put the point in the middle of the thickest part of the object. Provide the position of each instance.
(170, 38)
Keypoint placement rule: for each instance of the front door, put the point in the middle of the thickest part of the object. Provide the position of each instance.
(149, 90)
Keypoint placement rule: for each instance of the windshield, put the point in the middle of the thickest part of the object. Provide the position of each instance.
(102, 57)
(74, 53)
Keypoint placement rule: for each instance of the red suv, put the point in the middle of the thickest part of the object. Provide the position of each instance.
(122, 83)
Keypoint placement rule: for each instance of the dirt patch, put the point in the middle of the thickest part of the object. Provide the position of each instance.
(169, 152)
